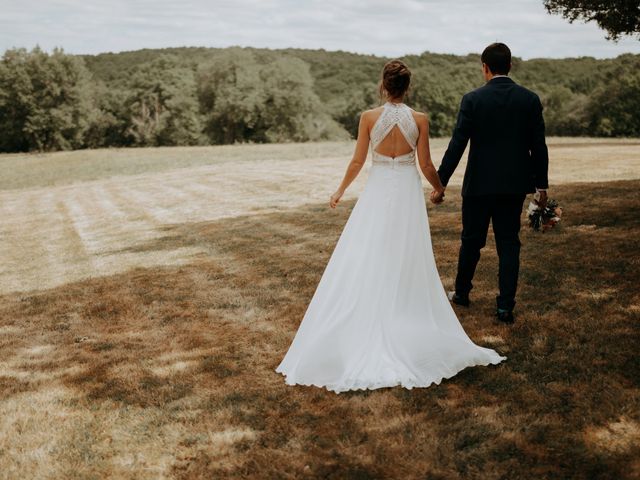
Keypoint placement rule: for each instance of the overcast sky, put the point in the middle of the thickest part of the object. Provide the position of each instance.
(381, 27)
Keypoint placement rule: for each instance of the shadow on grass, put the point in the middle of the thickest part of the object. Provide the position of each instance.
(199, 343)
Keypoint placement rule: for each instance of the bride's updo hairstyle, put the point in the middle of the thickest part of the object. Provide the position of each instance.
(395, 81)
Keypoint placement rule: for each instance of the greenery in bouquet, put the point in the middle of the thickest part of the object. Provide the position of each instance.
(543, 219)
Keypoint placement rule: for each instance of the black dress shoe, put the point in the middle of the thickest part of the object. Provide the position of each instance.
(505, 316)
(459, 299)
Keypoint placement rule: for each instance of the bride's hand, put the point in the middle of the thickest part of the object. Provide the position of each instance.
(335, 198)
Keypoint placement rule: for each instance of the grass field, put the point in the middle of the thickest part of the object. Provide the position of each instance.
(69, 216)
(142, 315)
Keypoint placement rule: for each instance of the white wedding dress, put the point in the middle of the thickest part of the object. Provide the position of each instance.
(380, 316)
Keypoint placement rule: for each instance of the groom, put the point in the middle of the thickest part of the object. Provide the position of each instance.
(508, 159)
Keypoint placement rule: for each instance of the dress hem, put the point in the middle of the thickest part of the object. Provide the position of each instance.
(408, 384)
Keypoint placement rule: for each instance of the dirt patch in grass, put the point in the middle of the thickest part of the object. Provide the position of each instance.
(168, 372)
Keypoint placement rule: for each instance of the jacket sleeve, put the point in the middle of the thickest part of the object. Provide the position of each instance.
(458, 142)
(538, 147)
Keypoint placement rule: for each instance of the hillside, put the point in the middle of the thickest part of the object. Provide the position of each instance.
(201, 96)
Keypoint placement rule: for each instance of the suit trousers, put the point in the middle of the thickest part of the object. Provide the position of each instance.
(503, 211)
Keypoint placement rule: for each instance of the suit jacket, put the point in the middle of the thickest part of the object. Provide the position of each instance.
(508, 153)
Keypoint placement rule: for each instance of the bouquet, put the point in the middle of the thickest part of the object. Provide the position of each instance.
(543, 219)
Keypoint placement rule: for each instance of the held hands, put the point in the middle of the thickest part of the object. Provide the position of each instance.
(437, 196)
(335, 198)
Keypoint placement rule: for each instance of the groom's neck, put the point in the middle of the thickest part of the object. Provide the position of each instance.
(490, 76)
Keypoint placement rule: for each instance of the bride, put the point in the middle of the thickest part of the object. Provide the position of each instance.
(380, 316)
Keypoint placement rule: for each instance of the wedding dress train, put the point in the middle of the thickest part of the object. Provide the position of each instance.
(380, 316)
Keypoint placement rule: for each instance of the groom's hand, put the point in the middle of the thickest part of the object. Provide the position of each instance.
(542, 201)
(437, 197)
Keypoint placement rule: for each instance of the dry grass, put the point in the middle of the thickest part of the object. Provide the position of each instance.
(69, 216)
(29, 170)
(167, 372)
(574, 159)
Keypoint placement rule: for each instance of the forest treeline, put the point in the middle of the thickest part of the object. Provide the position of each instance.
(197, 96)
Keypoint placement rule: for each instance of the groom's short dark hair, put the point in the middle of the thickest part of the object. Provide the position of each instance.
(497, 57)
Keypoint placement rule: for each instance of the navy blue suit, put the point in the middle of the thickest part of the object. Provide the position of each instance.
(508, 158)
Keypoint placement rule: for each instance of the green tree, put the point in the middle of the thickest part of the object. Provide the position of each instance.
(615, 106)
(439, 101)
(162, 104)
(181, 96)
(566, 112)
(438, 84)
(292, 111)
(617, 17)
(46, 100)
(246, 98)
(346, 84)
(230, 93)
(348, 106)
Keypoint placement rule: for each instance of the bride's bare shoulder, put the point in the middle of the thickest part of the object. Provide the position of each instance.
(372, 114)
(421, 118)
(419, 115)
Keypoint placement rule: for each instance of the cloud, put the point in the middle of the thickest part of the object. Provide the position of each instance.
(382, 27)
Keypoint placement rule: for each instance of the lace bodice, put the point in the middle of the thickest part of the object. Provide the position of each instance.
(394, 114)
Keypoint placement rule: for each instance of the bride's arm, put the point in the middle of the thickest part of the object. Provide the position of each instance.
(424, 155)
(357, 161)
